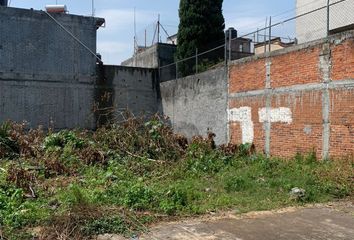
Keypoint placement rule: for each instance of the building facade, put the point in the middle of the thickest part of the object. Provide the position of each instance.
(313, 26)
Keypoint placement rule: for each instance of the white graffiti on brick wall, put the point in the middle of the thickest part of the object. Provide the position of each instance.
(281, 115)
(243, 116)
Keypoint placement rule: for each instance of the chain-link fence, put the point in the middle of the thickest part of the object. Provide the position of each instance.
(153, 33)
(310, 21)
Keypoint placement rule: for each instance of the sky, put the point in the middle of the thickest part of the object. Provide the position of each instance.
(115, 42)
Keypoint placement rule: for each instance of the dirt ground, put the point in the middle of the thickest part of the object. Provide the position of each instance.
(330, 221)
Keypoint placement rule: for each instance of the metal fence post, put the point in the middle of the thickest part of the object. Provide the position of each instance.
(225, 53)
(328, 2)
(265, 36)
(196, 60)
(230, 45)
(270, 33)
(177, 70)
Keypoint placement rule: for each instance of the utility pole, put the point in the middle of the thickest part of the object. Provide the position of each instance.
(93, 7)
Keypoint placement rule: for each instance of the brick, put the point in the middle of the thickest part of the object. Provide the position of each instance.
(300, 67)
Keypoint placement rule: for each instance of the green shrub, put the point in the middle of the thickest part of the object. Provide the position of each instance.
(175, 199)
(236, 184)
(202, 159)
(139, 197)
(75, 196)
(16, 212)
(11, 201)
(60, 140)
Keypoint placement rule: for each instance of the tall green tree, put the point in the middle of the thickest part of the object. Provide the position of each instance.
(201, 27)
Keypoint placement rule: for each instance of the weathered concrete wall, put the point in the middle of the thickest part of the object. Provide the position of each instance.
(197, 104)
(157, 55)
(45, 75)
(34, 47)
(58, 104)
(67, 105)
(134, 89)
(147, 58)
(297, 99)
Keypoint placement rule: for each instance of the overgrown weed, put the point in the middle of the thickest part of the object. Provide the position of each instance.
(74, 184)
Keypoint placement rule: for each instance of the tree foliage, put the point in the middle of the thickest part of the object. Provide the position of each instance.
(201, 27)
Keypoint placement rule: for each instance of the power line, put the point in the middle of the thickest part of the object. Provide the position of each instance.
(296, 8)
(259, 24)
(75, 38)
(298, 16)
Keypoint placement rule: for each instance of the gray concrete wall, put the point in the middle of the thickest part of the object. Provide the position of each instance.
(148, 58)
(157, 55)
(197, 104)
(134, 89)
(68, 105)
(57, 104)
(45, 75)
(34, 47)
(48, 78)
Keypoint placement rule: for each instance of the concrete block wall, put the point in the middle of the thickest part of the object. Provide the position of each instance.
(45, 75)
(297, 99)
(34, 47)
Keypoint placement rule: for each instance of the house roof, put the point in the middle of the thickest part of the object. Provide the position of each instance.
(276, 40)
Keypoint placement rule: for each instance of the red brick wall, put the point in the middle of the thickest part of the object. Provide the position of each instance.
(304, 134)
(306, 67)
(342, 122)
(246, 76)
(235, 128)
(298, 67)
(343, 60)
